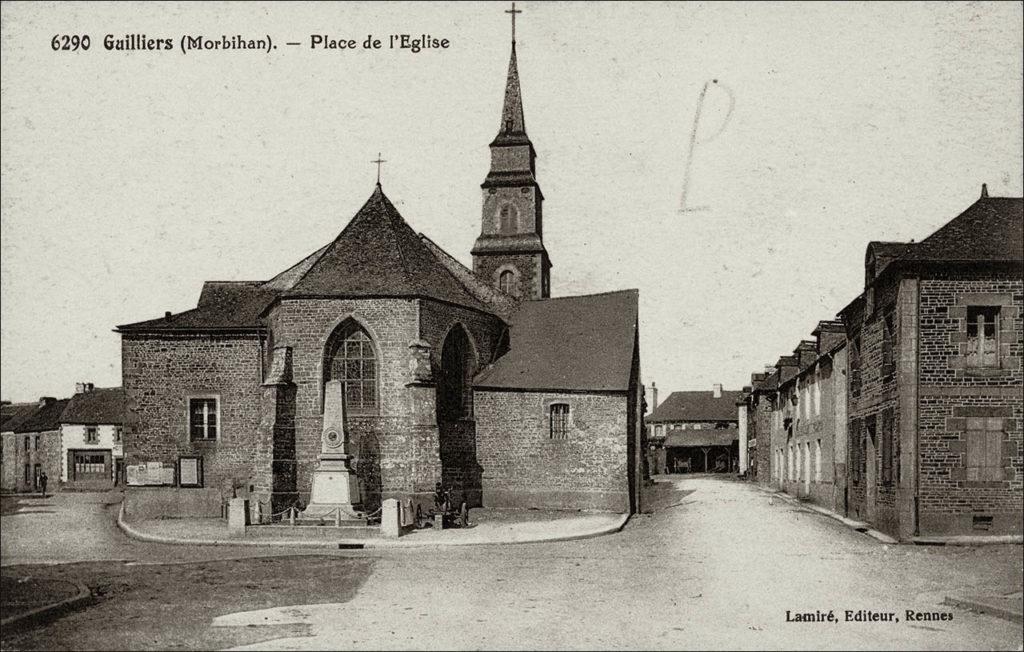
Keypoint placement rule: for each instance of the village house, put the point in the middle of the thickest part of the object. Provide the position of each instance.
(694, 431)
(414, 369)
(91, 431)
(934, 392)
(807, 426)
(30, 434)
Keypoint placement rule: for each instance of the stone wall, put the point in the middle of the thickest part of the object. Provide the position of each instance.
(529, 275)
(161, 372)
(955, 397)
(43, 449)
(523, 467)
(404, 463)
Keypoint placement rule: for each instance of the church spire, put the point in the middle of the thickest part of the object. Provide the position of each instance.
(512, 121)
(510, 251)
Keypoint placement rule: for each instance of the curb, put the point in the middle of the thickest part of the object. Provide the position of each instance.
(987, 609)
(82, 596)
(858, 526)
(335, 544)
(968, 540)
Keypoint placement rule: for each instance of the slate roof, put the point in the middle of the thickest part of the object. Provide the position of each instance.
(719, 437)
(569, 343)
(99, 406)
(223, 306)
(991, 229)
(9, 411)
(697, 406)
(40, 418)
(376, 255)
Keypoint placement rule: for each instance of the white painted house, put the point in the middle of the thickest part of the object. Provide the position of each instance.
(92, 456)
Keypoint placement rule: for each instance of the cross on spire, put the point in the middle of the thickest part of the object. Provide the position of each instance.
(378, 161)
(513, 11)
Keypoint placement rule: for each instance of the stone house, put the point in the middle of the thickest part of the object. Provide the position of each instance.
(477, 379)
(807, 423)
(91, 430)
(673, 448)
(935, 389)
(30, 435)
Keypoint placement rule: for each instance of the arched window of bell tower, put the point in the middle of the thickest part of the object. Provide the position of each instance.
(508, 218)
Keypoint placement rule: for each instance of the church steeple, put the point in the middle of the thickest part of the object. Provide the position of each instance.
(510, 251)
(512, 121)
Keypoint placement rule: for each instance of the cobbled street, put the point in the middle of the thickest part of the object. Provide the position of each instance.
(717, 566)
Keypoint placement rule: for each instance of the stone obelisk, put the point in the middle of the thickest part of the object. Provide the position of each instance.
(335, 486)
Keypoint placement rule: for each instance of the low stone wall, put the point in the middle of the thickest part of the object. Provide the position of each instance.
(142, 503)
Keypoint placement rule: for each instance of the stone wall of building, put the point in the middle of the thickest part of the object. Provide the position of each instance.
(956, 398)
(397, 447)
(161, 373)
(527, 268)
(522, 466)
(28, 449)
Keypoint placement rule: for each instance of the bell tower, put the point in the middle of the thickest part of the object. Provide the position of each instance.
(510, 251)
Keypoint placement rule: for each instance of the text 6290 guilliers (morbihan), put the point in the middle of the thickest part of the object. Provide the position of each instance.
(240, 43)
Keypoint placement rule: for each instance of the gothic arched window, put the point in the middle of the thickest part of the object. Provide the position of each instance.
(507, 282)
(509, 218)
(350, 358)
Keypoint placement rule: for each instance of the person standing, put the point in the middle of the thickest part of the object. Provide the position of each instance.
(42, 482)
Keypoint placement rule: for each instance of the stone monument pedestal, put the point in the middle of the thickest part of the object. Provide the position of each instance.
(335, 486)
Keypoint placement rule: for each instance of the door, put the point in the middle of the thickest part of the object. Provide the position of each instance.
(870, 470)
(118, 472)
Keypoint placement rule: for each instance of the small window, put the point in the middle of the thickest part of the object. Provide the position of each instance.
(984, 456)
(28, 444)
(202, 419)
(507, 282)
(982, 336)
(118, 434)
(509, 218)
(559, 420)
(91, 435)
(855, 367)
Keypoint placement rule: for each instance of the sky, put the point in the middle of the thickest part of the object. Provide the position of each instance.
(129, 178)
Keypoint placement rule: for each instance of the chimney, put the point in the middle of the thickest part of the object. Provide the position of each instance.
(806, 353)
(79, 388)
(788, 368)
(717, 390)
(46, 400)
(984, 191)
(167, 315)
(89, 387)
(829, 335)
(654, 396)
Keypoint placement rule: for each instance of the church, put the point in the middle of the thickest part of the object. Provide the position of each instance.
(477, 379)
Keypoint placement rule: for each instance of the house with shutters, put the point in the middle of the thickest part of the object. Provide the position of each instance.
(936, 391)
(475, 378)
(925, 371)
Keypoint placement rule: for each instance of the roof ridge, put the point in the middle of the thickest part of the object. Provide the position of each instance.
(391, 213)
(587, 296)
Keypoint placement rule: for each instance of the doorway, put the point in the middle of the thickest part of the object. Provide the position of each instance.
(870, 470)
